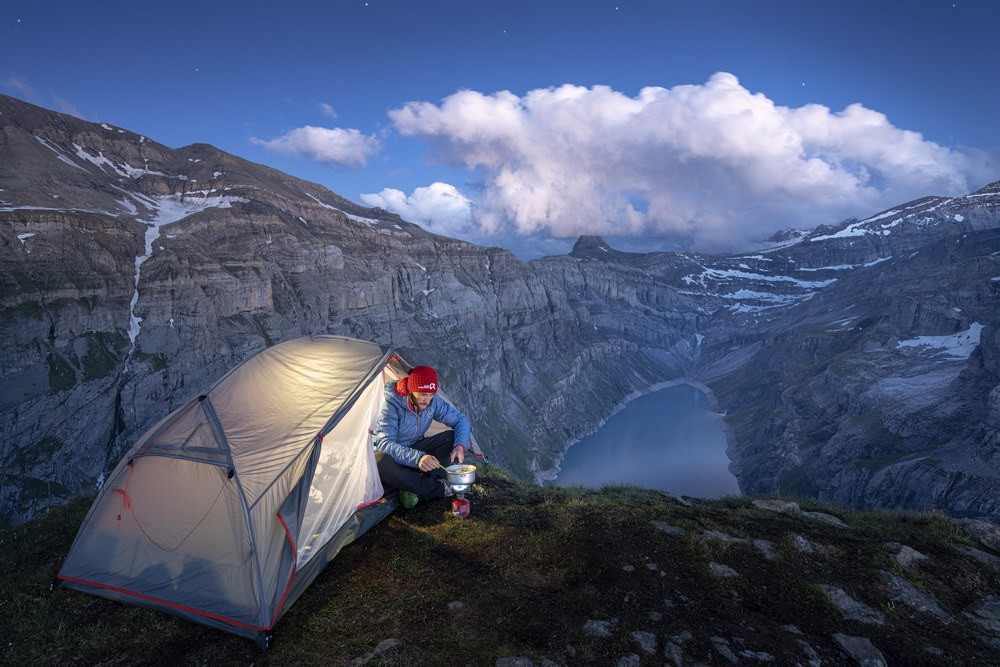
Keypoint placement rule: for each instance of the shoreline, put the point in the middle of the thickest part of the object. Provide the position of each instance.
(543, 476)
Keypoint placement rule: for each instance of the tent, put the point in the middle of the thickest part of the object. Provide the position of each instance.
(228, 508)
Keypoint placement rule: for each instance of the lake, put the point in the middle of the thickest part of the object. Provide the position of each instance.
(669, 439)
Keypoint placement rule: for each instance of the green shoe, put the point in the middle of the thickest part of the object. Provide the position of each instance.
(408, 499)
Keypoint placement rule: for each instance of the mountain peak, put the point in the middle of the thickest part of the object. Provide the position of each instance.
(591, 242)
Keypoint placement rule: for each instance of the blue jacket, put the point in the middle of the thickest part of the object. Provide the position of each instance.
(399, 427)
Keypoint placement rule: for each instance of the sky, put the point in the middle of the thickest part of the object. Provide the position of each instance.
(686, 125)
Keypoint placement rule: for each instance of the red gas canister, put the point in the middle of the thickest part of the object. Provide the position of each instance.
(460, 507)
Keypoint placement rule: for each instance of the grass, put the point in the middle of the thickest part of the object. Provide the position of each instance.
(522, 575)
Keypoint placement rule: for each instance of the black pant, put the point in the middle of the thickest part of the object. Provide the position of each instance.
(426, 485)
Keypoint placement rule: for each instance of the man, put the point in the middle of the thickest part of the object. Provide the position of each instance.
(407, 460)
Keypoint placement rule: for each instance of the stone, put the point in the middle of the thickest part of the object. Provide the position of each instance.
(682, 637)
(783, 506)
(645, 640)
(599, 629)
(861, 649)
(904, 555)
(902, 591)
(387, 646)
(812, 658)
(709, 535)
(721, 646)
(801, 544)
(766, 548)
(825, 518)
(678, 499)
(674, 654)
(985, 612)
(668, 529)
(985, 558)
(986, 532)
(758, 656)
(514, 662)
(630, 660)
(384, 648)
(852, 609)
(724, 571)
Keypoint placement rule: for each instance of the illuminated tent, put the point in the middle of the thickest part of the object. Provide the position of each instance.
(228, 508)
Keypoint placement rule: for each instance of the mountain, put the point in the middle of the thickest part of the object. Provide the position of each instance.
(857, 363)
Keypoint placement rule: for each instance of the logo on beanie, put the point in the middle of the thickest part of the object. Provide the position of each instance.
(422, 379)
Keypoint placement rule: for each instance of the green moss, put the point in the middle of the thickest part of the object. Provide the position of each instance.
(155, 362)
(25, 457)
(26, 310)
(796, 482)
(99, 360)
(62, 376)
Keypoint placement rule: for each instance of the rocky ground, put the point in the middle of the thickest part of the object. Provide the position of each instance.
(550, 576)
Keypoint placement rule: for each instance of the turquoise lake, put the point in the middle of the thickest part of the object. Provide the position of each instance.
(669, 439)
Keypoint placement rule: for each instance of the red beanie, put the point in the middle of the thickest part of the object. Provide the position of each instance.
(422, 379)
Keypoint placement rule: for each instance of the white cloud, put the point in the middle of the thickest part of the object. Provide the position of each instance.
(345, 147)
(27, 92)
(709, 166)
(440, 207)
(20, 87)
(327, 110)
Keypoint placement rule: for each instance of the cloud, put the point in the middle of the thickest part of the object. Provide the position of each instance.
(339, 146)
(709, 166)
(66, 107)
(20, 86)
(327, 110)
(28, 93)
(440, 207)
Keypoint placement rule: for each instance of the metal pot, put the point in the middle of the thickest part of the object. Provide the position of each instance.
(461, 474)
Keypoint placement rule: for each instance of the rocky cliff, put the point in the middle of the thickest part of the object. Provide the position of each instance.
(857, 363)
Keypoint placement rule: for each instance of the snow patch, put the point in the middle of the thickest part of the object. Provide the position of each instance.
(844, 267)
(123, 169)
(722, 274)
(168, 209)
(128, 206)
(351, 216)
(959, 345)
(59, 154)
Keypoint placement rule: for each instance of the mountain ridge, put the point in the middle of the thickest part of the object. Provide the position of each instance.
(133, 275)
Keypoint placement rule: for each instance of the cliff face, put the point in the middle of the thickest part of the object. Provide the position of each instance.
(134, 275)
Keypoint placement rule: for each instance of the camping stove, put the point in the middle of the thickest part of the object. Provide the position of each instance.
(460, 505)
(461, 478)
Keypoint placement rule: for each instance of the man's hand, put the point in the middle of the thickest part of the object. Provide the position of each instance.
(458, 454)
(428, 463)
